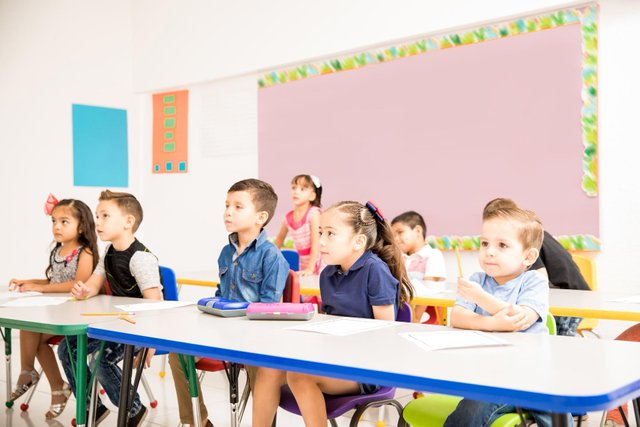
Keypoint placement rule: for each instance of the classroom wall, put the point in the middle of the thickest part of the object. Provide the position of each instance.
(216, 49)
(54, 54)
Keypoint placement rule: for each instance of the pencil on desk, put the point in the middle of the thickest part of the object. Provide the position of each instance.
(457, 249)
(126, 318)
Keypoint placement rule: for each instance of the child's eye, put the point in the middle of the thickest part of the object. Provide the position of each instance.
(503, 245)
(484, 244)
(331, 233)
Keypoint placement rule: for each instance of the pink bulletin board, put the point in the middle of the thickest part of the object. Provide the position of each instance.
(446, 130)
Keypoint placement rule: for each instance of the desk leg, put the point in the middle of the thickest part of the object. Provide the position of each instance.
(636, 410)
(7, 360)
(559, 420)
(81, 380)
(233, 372)
(193, 390)
(125, 385)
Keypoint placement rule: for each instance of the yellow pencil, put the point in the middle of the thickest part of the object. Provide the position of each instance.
(126, 318)
(460, 274)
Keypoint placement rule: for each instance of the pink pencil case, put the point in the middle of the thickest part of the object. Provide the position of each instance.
(280, 311)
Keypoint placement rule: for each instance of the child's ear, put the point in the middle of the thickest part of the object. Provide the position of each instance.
(418, 230)
(262, 217)
(131, 220)
(359, 242)
(531, 256)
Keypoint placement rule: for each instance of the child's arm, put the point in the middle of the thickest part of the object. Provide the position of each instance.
(17, 284)
(383, 312)
(508, 319)
(314, 224)
(281, 236)
(85, 267)
(275, 270)
(88, 289)
(473, 292)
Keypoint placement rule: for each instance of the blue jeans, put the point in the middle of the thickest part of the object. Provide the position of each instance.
(567, 326)
(109, 374)
(474, 413)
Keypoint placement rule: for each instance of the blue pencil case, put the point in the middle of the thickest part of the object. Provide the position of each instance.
(223, 307)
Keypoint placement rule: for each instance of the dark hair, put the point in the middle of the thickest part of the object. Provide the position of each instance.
(127, 203)
(262, 195)
(307, 181)
(86, 231)
(411, 219)
(380, 240)
(499, 203)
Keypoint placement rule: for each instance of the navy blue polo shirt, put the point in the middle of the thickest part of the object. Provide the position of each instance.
(352, 293)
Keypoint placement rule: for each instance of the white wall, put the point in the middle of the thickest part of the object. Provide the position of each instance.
(53, 54)
(201, 44)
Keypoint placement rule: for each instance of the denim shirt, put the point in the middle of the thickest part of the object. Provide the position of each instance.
(258, 274)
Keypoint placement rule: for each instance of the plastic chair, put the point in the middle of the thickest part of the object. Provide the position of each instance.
(587, 267)
(291, 293)
(432, 410)
(339, 405)
(292, 258)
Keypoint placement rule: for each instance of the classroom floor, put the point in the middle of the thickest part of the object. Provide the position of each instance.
(214, 388)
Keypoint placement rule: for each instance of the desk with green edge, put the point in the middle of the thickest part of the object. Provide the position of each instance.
(62, 319)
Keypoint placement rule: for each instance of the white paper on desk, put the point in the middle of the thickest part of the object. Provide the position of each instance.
(160, 305)
(35, 301)
(633, 299)
(18, 294)
(441, 340)
(342, 327)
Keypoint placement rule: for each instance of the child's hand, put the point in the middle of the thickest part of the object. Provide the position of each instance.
(510, 319)
(470, 291)
(80, 290)
(147, 361)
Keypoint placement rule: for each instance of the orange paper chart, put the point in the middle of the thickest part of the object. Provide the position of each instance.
(170, 139)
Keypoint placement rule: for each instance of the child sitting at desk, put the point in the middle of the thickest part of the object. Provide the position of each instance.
(131, 271)
(423, 262)
(365, 277)
(250, 267)
(505, 297)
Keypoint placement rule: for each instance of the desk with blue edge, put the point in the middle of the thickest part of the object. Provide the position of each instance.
(535, 372)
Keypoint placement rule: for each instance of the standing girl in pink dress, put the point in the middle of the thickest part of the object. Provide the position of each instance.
(303, 222)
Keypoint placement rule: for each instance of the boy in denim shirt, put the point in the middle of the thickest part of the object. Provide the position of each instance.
(250, 267)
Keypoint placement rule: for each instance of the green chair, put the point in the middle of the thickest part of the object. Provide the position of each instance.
(432, 410)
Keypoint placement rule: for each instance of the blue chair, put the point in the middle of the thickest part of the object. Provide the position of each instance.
(339, 405)
(292, 258)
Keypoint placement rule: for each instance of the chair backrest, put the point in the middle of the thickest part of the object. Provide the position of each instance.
(587, 268)
(169, 284)
(291, 291)
(405, 313)
(292, 258)
(551, 324)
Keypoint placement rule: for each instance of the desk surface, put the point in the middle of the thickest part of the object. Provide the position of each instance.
(535, 372)
(62, 319)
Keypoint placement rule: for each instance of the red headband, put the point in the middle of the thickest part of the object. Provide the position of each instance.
(50, 204)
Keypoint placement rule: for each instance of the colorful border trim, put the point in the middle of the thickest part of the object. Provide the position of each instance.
(585, 16)
(576, 242)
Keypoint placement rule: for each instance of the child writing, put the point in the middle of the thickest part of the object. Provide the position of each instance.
(505, 297)
(131, 271)
(423, 262)
(302, 222)
(73, 257)
(365, 277)
(251, 268)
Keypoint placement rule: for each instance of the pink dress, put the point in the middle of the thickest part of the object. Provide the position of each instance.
(300, 232)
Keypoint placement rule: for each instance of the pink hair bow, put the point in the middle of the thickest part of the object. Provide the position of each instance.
(50, 204)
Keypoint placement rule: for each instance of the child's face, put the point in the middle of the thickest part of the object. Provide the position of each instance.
(339, 245)
(502, 255)
(301, 193)
(240, 213)
(408, 239)
(63, 225)
(111, 222)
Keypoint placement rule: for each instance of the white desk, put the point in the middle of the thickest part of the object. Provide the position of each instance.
(63, 319)
(534, 373)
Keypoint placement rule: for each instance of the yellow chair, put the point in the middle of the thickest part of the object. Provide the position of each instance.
(587, 268)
